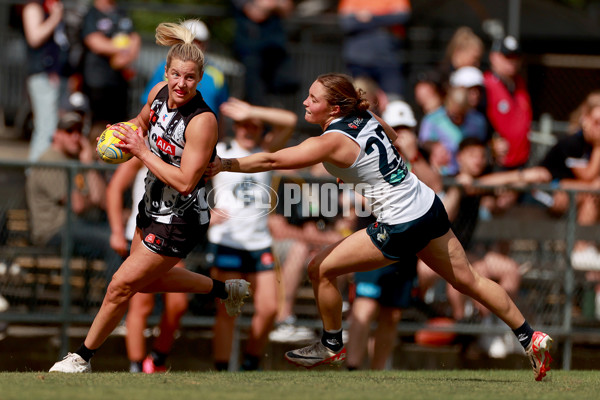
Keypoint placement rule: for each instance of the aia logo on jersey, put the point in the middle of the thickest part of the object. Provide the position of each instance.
(165, 117)
(165, 146)
(153, 117)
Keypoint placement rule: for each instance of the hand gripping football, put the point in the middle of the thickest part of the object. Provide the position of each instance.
(106, 149)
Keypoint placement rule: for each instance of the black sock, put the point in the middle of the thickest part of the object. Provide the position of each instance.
(85, 353)
(136, 366)
(524, 333)
(250, 362)
(332, 340)
(159, 359)
(221, 365)
(218, 290)
(351, 368)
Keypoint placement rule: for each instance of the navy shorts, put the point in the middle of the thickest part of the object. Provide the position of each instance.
(243, 261)
(391, 286)
(171, 240)
(397, 241)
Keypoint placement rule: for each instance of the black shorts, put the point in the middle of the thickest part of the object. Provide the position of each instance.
(396, 241)
(171, 240)
(244, 261)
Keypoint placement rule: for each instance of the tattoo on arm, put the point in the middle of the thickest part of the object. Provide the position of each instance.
(226, 164)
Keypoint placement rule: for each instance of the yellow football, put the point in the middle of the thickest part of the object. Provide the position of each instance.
(106, 149)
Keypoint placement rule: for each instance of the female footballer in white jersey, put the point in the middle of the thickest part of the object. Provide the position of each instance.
(358, 147)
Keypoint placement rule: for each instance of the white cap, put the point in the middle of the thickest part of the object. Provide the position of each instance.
(399, 113)
(466, 77)
(198, 28)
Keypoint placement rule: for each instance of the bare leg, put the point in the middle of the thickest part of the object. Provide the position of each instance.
(352, 254)
(265, 310)
(140, 307)
(224, 323)
(292, 273)
(386, 336)
(175, 306)
(364, 312)
(139, 272)
(446, 256)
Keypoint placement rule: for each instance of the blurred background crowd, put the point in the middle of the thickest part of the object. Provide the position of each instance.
(483, 93)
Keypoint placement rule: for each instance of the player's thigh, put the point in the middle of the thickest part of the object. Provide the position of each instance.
(141, 268)
(353, 254)
(446, 256)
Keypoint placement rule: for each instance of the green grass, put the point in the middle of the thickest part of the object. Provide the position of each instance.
(309, 385)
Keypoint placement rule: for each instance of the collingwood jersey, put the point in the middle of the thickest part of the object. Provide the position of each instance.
(166, 137)
(379, 174)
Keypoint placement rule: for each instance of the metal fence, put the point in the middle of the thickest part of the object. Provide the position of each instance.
(554, 297)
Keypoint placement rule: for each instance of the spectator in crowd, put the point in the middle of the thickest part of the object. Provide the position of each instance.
(508, 104)
(471, 78)
(378, 99)
(47, 192)
(373, 41)
(462, 204)
(261, 44)
(381, 294)
(239, 234)
(574, 162)
(465, 49)
(47, 68)
(575, 116)
(442, 130)
(130, 175)
(213, 86)
(429, 93)
(111, 47)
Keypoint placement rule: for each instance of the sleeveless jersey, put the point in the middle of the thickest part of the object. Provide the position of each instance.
(395, 195)
(246, 198)
(166, 138)
(137, 193)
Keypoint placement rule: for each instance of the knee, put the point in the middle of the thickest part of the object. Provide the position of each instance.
(464, 282)
(314, 270)
(118, 292)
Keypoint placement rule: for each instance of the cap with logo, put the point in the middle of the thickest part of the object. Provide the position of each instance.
(509, 46)
(70, 121)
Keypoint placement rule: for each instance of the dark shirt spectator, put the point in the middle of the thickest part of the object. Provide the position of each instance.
(261, 44)
(373, 41)
(111, 47)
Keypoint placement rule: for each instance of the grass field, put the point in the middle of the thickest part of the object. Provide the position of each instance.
(310, 385)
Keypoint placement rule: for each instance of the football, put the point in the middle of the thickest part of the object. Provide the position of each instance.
(106, 149)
